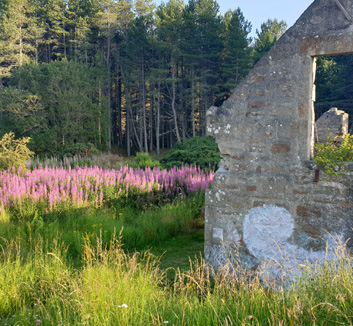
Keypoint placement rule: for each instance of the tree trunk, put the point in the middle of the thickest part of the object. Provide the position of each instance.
(37, 47)
(175, 117)
(128, 145)
(144, 103)
(150, 124)
(110, 109)
(158, 118)
(21, 45)
(107, 59)
(99, 115)
(193, 103)
(163, 135)
(119, 113)
(204, 115)
(139, 143)
(170, 135)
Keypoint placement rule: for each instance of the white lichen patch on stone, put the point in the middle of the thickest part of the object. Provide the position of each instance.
(264, 228)
(217, 234)
(266, 233)
(336, 185)
(233, 236)
(214, 130)
(219, 194)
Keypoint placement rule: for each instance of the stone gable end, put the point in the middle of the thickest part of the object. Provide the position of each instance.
(266, 193)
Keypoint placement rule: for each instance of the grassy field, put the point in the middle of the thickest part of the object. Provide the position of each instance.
(133, 259)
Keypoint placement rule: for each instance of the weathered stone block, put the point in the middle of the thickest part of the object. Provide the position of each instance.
(342, 203)
(237, 205)
(255, 78)
(258, 203)
(258, 105)
(308, 211)
(332, 124)
(280, 149)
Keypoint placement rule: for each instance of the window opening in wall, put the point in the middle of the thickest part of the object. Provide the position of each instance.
(334, 85)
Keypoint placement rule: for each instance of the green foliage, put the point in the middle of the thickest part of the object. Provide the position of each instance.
(329, 155)
(59, 106)
(334, 85)
(79, 149)
(237, 60)
(144, 160)
(14, 152)
(22, 112)
(18, 34)
(202, 151)
(33, 228)
(141, 229)
(270, 32)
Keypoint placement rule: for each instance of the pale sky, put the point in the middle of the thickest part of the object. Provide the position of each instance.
(258, 11)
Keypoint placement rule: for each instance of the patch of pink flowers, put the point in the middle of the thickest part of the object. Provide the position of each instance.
(86, 185)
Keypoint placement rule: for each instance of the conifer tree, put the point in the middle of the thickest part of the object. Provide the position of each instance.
(17, 35)
(210, 47)
(169, 24)
(55, 15)
(236, 53)
(270, 32)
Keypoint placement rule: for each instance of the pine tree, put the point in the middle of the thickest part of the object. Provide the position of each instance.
(169, 25)
(210, 47)
(236, 53)
(125, 17)
(55, 14)
(17, 36)
(270, 32)
(191, 53)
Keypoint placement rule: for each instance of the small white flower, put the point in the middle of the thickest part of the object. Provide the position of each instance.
(166, 322)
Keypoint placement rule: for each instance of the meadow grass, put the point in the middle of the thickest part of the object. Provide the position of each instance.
(140, 229)
(116, 288)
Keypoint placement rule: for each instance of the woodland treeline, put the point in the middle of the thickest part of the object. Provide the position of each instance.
(123, 73)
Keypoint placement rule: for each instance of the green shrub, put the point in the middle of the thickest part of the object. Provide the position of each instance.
(329, 154)
(14, 152)
(144, 160)
(202, 151)
(79, 149)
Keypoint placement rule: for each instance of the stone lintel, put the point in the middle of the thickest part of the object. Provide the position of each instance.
(326, 45)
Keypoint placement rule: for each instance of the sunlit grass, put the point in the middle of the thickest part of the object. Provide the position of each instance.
(116, 288)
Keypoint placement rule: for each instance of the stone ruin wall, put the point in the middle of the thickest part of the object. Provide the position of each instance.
(266, 192)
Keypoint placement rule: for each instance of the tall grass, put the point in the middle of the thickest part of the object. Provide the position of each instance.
(140, 230)
(116, 288)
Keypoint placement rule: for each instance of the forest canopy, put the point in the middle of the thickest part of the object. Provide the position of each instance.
(124, 73)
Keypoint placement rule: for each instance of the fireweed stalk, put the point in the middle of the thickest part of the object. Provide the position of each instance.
(82, 186)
